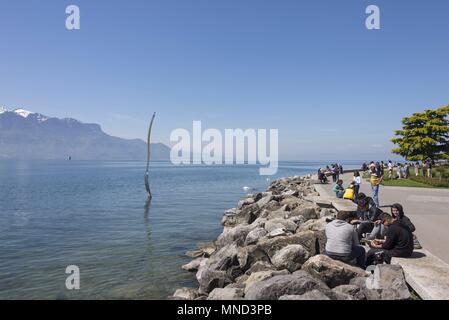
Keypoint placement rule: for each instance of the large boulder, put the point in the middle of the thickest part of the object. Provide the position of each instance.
(231, 259)
(226, 294)
(328, 213)
(193, 265)
(332, 272)
(310, 212)
(245, 202)
(290, 257)
(209, 279)
(265, 200)
(273, 205)
(257, 277)
(293, 284)
(237, 235)
(186, 293)
(310, 295)
(291, 201)
(277, 223)
(260, 266)
(314, 225)
(254, 235)
(349, 292)
(307, 239)
(282, 213)
(391, 278)
(247, 215)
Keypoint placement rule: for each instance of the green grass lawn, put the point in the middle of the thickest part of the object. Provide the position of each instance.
(439, 180)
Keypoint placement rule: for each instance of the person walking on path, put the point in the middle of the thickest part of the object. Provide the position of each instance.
(334, 173)
(357, 182)
(376, 180)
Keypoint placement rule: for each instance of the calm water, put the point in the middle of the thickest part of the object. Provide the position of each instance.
(93, 214)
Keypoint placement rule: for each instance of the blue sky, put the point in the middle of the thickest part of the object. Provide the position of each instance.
(334, 89)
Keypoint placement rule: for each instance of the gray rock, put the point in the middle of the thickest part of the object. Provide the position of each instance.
(282, 213)
(332, 272)
(237, 234)
(209, 279)
(307, 239)
(327, 213)
(291, 202)
(294, 284)
(186, 293)
(359, 282)
(311, 212)
(245, 216)
(195, 253)
(260, 266)
(193, 265)
(278, 223)
(391, 278)
(311, 295)
(254, 235)
(314, 225)
(264, 201)
(290, 257)
(290, 193)
(226, 294)
(273, 205)
(277, 232)
(349, 292)
(245, 202)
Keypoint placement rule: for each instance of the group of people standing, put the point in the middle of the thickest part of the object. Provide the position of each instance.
(402, 170)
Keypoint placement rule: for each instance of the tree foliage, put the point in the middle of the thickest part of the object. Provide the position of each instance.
(424, 135)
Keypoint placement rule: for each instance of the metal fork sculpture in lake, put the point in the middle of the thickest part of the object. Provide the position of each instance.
(147, 182)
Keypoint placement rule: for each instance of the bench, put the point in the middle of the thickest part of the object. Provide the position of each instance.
(426, 274)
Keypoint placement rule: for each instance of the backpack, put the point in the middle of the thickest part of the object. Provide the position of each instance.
(349, 194)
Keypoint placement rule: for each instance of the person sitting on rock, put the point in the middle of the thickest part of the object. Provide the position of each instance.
(398, 241)
(338, 189)
(397, 211)
(368, 219)
(342, 240)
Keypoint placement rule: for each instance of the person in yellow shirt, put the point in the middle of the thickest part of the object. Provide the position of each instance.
(376, 173)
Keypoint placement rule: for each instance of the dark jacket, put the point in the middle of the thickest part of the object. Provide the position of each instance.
(399, 241)
(404, 220)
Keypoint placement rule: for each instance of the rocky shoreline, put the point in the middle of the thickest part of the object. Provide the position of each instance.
(272, 248)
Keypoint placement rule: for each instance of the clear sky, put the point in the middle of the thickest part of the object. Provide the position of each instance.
(311, 69)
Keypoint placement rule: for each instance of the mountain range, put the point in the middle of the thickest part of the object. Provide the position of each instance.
(29, 135)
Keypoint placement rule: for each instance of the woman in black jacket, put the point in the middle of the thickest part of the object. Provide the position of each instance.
(397, 211)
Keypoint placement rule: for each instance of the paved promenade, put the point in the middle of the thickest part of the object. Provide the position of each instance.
(427, 208)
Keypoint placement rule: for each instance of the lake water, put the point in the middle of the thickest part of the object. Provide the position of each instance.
(94, 215)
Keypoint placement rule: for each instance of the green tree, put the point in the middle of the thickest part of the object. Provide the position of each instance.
(424, 135)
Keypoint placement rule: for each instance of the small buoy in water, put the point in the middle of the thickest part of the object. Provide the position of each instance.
(247, 188)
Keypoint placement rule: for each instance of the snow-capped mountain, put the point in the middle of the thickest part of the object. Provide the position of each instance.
(30, 135)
